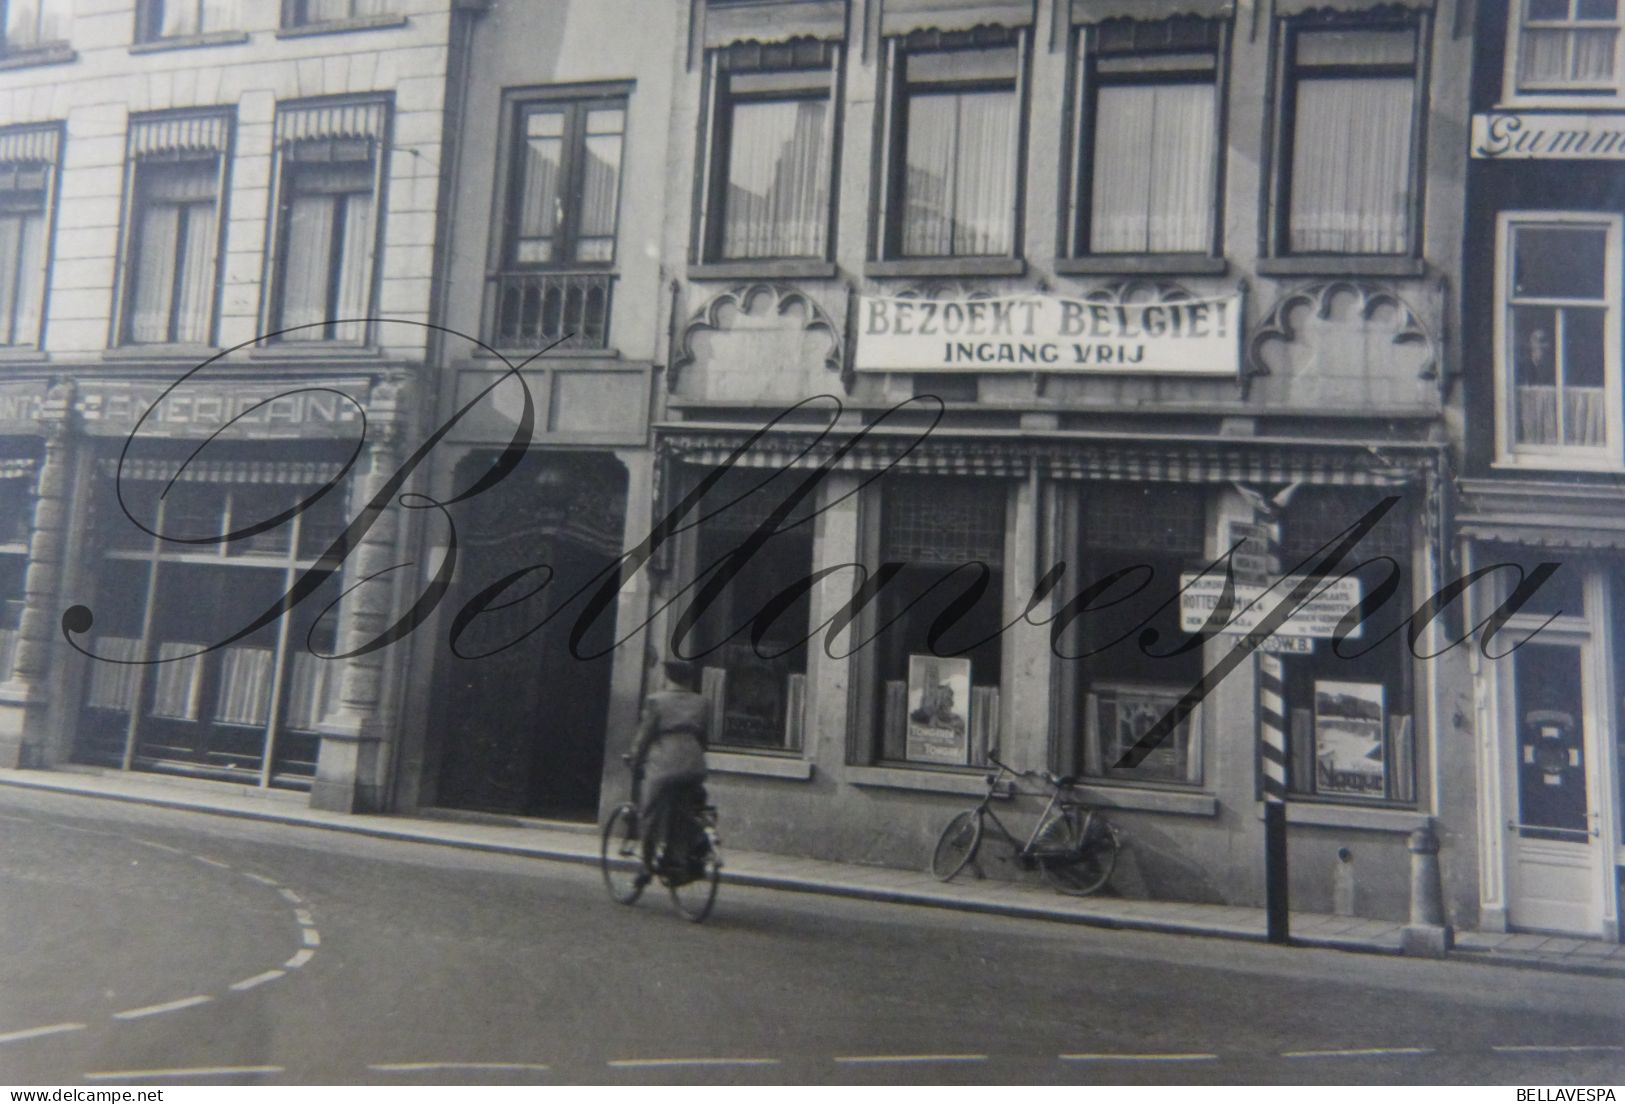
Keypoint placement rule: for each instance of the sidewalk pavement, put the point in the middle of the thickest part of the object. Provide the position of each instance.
(578, 843)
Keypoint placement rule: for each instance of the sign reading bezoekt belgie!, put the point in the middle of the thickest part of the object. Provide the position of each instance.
(1047, 333)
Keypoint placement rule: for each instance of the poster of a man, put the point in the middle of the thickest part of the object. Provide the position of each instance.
(938, 709)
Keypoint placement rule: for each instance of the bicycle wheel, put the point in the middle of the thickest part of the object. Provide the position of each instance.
(1074, 867)
(621, 856)
(696, 891)
(957, 845)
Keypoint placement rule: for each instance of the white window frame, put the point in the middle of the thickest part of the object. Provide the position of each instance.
(1513, 96)
(1610, 458)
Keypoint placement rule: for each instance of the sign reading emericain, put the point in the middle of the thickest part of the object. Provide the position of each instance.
(1195, 337)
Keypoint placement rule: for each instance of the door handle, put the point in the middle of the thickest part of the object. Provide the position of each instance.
(1514, 826)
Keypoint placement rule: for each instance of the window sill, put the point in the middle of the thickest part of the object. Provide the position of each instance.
(1560, 464)
(1326, 815)
(190, 42)
(16, 354)
(923, 780)
(1151, 801)
(343, 26)
(947, 266)
(197, 354)
(1142, 264)
(763, 270)
(57, 54)
(761, 766)
(563, 353)
(313, 350)
(1342, 266)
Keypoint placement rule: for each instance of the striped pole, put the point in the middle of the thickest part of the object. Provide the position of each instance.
(1272, 752)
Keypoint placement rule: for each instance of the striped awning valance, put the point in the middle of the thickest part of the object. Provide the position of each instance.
(1098, 11)
(1566, 535)
(364, 120)
(1288, 8)
(1148, 462)
(17, 467)
(29, 145)
(293, 472)
(773, 21)
(901, 17)
(178, 134)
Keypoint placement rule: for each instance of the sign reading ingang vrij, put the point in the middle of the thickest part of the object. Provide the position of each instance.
(1047, 333)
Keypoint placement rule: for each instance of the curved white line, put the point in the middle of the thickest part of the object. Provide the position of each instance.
(37, 1032)
(258, 979)
(197, 1071)
(160, 1009)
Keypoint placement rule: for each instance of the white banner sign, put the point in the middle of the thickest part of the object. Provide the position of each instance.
(1316, 617)
(1556, 137)
(1045, 333)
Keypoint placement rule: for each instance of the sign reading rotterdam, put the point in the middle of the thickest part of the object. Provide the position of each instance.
(1046, 333)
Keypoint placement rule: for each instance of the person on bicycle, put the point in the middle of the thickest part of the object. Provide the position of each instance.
(669, 759)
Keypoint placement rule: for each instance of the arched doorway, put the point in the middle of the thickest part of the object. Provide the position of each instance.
(521, 720)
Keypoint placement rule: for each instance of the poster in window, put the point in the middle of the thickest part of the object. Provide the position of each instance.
(938, 710)
(1349, 730)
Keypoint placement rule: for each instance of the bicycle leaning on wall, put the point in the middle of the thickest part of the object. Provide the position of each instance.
(1072, 845)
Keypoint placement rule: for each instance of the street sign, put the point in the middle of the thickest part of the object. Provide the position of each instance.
(1318, 615)
(1251, 561)
(1286, 645)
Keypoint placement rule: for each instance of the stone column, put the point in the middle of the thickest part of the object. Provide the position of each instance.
(25, 698)
(349, 766)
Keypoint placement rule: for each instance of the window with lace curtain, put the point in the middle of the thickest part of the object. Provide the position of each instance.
(1148, 137)
(327, 221)
(173, 221)
(954, 135)
(33, 24)
(161, 19)
(1568, 47)
(772, 142)
(305, 13)
(1558, 340)
(28, 157)
(566, 180)
(1349, 138)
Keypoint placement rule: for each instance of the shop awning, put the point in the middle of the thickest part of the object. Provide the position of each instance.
(302, 472)
(773, 21)
(1288, 8)
(1538, 514)
(901, 17)
(1097, 11)
(1152, 462)
(1556, 533)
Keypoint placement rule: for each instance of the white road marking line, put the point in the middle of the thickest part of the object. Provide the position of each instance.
(261, 879)
(313, 938)
(1193, 1057)
(420, 1067)
(1359, 1052)
(648, 1063)
(299, 959)
(862, 1059)
(204, 859)
(155, 845)
(1554, 1049)
(290, 895)
(160, 1009)
(258, 979)
(304, 917)
(199, 1071)
(37, 1032)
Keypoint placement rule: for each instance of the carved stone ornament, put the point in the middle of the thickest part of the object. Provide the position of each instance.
(756, 341)
(1122, 293)
(1345, 341)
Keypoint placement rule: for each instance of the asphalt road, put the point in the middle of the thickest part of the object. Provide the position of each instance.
(147, 946)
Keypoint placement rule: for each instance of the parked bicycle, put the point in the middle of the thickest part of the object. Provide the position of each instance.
(692, 880)
(1072, 845)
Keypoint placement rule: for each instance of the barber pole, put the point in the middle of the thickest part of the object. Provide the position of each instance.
(1272, 747)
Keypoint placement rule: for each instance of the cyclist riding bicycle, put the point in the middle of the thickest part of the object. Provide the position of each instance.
(669, 759)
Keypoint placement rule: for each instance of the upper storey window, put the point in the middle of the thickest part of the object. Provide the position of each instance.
(161, 19)
(30, 25)
(310, 13)
(1148, 137)
(566, 181)
(1349, 143)
(28, 160)
(952, 141)
(1558, 332)
(1567, 47)
(771, 151)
